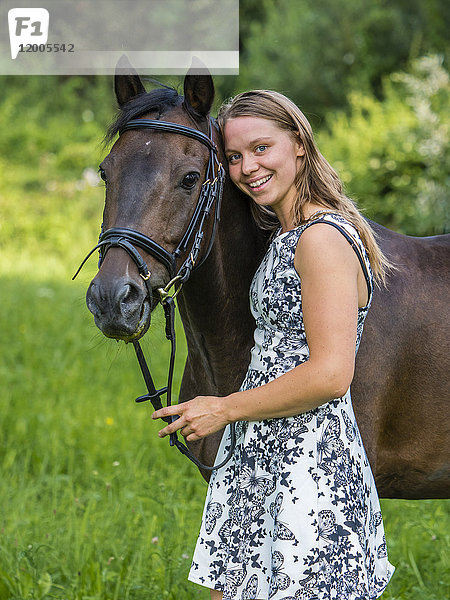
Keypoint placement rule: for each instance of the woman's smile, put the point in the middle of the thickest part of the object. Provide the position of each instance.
(259, 184)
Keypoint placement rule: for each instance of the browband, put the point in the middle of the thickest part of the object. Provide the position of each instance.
(170, 127)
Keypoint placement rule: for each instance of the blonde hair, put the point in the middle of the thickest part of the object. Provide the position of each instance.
(316, 180)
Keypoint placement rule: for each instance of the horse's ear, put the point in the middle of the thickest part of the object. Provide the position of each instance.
(198, 89)
(127, 83)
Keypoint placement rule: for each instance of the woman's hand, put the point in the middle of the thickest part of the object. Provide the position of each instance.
(198, 418)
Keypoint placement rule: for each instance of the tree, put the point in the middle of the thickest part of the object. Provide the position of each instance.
(317, 51)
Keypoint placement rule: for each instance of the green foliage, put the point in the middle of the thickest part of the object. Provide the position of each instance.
(317, 51)
(416, 530)
(34, 108)
(49, 152)
(392, 154)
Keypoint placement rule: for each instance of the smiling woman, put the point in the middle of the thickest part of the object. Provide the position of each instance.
(315, 182)
(298, 454)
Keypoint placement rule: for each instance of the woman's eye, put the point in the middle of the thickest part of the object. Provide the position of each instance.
(261, 148)
(102, 174)
(190, 180)
(233, 157)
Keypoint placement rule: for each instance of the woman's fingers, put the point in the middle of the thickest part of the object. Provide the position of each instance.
(168, 411)
(172, 427)
(195, 419)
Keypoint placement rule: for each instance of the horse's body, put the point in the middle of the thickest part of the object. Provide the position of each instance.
(399, 390)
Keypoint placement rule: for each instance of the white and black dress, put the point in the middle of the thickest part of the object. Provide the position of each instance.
(295, 514)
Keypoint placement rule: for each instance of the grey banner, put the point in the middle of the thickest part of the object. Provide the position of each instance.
(64, 37)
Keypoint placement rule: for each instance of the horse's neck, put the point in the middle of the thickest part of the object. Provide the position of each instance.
(214, 304)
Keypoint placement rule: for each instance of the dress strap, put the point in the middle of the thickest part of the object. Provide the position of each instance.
(351, 240)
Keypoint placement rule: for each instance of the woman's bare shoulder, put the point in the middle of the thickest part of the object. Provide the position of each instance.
(323, 245)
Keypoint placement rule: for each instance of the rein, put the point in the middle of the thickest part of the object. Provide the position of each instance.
(128, 239)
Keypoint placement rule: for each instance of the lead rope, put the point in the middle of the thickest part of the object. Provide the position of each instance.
(154, 395)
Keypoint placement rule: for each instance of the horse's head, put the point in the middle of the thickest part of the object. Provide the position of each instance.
(154, 182)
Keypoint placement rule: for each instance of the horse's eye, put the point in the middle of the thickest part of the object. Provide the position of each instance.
(102, 174)
(190, 180)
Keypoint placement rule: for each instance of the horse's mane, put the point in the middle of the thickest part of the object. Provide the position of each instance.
(155, 100)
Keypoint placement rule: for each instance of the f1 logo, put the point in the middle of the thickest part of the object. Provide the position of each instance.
(27, 26)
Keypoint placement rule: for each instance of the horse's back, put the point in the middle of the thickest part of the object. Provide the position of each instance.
(400, 389)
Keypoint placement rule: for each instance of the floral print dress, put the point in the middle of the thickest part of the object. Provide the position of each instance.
(295, 514)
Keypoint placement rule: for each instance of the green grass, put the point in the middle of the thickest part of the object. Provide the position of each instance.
(93, 504)
(418, 539)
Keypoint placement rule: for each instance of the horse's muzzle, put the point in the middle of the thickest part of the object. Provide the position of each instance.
(120, 307)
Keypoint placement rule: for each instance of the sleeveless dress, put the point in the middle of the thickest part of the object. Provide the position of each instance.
(294, 515)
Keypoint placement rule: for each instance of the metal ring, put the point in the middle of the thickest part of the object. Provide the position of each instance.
(164, 292)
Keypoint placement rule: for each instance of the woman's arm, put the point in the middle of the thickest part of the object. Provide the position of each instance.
(328, 269)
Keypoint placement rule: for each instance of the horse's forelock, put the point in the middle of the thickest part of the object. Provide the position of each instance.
(158, 100)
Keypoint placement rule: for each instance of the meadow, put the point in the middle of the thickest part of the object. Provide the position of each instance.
(93, 506)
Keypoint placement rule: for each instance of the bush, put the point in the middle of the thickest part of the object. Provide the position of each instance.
(47, 115)
(391, 154)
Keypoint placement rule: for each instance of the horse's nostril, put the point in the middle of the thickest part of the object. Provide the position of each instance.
(125, 293)
(129, 296)
(93, 298)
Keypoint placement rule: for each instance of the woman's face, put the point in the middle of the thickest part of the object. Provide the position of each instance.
(263, 162)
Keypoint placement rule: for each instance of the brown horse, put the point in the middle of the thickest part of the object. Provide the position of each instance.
(153, 182)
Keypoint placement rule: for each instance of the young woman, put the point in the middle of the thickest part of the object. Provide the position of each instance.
(295, 515)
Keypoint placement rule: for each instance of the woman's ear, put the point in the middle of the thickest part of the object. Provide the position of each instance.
(300, 148)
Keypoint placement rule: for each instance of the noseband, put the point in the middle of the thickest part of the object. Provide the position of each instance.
(128, 239)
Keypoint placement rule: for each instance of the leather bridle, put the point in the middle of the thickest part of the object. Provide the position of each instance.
(128, 239)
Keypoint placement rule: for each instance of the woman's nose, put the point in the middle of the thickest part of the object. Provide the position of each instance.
(249, 165)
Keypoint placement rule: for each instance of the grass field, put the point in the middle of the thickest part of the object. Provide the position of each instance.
(93, 506)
